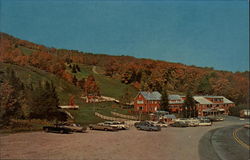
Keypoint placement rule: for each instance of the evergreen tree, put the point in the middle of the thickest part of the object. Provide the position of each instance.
(204, 87)
(78, 68)
(45, 102)
(74, 69)
(164, 100)
(189, 108)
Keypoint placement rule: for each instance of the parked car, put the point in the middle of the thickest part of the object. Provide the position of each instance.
(117, 124)
(247, 125)
(161, 124)
(75, 127)
(192, 122)
(142, 123)
(205, 122)
(180, 119)
(179, 124)
(57, 128)
(147, 126)
(215, 118)
(102, 126)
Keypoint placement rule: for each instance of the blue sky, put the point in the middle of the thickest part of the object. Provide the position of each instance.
(199, 32)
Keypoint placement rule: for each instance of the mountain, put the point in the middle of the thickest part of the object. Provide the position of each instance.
(114, 73)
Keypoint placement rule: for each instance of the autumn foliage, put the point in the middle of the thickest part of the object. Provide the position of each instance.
(144, 74)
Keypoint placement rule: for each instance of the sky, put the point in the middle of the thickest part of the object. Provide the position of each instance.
(206, 33)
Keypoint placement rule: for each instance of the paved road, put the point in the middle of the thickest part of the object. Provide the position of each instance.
(226, 143)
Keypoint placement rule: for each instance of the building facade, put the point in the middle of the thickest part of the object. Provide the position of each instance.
(205, 105)
(147, 101)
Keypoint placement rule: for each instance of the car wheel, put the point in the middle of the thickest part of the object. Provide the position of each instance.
(105, 129)
(46, 130)
(61, 131)
(90, 128)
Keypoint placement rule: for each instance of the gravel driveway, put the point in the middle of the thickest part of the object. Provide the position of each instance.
(168, 144)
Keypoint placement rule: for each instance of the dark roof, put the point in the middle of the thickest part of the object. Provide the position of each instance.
(151, 95)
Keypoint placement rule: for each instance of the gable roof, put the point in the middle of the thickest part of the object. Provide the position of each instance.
(202, 100)
(174, 97)
(225, 100)
(151, 95)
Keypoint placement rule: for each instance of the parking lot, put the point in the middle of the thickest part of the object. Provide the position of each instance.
(170, 143)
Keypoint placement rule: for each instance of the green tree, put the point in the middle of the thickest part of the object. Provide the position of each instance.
(78, 68)
(188, 108)
(45, 102)
(204, 86)
(164, 100)
(73, 70)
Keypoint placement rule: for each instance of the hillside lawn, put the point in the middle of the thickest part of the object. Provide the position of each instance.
(85, 114)
(108, 86)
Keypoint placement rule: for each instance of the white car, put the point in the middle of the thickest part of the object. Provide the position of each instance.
(117, 124)
(193, 122)
(205, 122)
(161, 124)
(180, 120)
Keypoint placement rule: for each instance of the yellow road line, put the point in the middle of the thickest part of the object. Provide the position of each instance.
(235, 136)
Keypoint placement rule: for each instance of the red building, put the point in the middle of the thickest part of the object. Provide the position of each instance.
(175, 103)
(205, 105)
(147, 101)
(209, 105)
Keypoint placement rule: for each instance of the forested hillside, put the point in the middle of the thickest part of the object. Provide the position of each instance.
(143, 74)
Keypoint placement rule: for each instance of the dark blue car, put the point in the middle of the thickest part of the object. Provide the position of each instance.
(57, 129)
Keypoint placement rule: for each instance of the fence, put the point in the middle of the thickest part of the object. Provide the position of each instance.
(124, 116)
(110, 118)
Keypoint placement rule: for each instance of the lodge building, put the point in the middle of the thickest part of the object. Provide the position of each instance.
(147, 101)
(205, 105)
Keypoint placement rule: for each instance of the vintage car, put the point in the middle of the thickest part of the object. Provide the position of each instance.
(119, 125)
(75, 127)
(192, 122)
(160, 124)
(102, 126)
(247, 125)
(147, 126)
(205, 122)
(142, 123)
(180, 120)
(179, 124)
(215, 118)
(57, 129)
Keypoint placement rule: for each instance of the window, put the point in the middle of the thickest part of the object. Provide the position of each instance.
(139, 102)
(140, 108)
